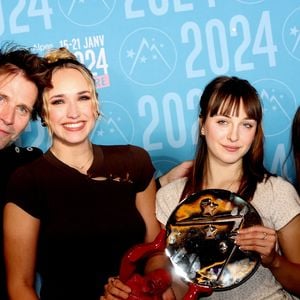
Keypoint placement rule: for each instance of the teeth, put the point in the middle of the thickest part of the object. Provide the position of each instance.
(73, 125)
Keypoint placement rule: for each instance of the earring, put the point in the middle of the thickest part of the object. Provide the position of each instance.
(98, 115)
(43, 123)
(202, 131)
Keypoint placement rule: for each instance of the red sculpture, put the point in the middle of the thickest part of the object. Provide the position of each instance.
(152, 285)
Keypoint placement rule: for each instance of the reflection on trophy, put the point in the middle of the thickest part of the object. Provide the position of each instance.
(200, 239)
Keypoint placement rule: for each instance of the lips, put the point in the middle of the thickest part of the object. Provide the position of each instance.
(231, 148)
(74, 126)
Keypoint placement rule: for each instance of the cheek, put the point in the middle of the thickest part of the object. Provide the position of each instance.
(56, 114)
(216, 133)
(248, 136)
(90, 110)
(91, 113)
(20, 125)
(53, 120)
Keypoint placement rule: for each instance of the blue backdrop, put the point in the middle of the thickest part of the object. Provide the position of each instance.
(152, 58)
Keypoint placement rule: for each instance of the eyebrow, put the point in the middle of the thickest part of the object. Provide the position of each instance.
(229, 116)
(62, 95)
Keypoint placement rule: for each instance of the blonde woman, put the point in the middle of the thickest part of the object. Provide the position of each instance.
(71, 214)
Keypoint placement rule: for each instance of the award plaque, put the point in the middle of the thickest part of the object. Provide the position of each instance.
(200, 236)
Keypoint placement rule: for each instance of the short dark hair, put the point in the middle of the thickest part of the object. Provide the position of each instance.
(14, 57)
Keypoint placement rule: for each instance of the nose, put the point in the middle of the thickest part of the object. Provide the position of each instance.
(7, 114)
(73, 110)
(233, 133)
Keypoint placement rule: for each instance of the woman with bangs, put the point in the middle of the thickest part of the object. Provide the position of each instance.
(230, 156)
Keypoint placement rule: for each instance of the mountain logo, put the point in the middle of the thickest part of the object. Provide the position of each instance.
(291, 34)
(115, 126)
(279, 104)
(86, 12)
(148, 56)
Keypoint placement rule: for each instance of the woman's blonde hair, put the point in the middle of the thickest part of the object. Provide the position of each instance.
(62, 58)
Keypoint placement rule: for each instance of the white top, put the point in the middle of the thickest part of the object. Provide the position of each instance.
(277, 203)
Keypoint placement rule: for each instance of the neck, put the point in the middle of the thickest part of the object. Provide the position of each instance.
(223, 177)
(79, 157)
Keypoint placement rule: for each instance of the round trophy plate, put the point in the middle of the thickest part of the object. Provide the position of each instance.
(200, 237)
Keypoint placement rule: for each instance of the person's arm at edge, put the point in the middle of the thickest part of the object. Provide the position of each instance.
(286, 268)
(146, 205)
(20, 243)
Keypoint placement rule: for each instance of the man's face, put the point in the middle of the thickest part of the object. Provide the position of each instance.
(17, 98)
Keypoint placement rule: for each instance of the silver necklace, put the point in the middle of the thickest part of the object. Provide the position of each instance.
(80, 168)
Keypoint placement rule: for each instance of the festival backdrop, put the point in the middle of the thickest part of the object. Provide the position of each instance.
(152, 58)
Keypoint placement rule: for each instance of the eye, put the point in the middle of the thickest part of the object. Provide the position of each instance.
(84, 98)
(2, 99)
(23, 110)
(57, 101)
(222, 122)
(249, 124)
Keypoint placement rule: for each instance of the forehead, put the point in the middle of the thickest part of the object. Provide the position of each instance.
(5, 78)
(16, 87)
(68, 80)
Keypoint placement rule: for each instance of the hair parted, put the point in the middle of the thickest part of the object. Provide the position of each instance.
(224, 95)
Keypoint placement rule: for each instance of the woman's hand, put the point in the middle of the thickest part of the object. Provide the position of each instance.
(169, 294)
(260, 239)
(180, 171)
(115, 289)
(154, 285)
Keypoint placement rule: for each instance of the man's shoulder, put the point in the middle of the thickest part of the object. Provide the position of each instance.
(28, 153)
(17, 156)
(13, 157)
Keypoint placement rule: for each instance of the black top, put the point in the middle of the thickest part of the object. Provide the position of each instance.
(87, 221)
(11, 158)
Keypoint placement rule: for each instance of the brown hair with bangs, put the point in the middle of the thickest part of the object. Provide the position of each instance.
(223, 96)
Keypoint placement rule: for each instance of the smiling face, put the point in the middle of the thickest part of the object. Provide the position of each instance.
(229, 136)
(17, 98)
(70, 111)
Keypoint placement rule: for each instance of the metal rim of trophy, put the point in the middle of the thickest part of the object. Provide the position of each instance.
(200, 235)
